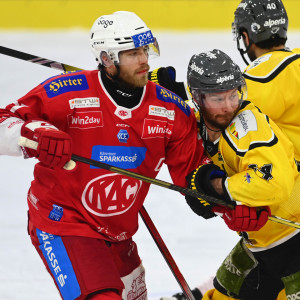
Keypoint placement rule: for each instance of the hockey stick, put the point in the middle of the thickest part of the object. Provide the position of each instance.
(70, 165)
(37, 60)
(63, 67)
(166, 254)
(24, 142)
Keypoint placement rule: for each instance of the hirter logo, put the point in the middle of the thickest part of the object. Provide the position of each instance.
(157, 129)
(110, 194)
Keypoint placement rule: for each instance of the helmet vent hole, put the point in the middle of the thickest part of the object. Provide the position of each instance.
(122, 43)
(140, 28)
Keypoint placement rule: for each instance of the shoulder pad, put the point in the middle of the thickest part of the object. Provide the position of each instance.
(65, 83)
(168, 96)
(268, 66)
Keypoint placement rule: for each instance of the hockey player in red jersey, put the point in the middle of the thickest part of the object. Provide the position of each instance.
(81, 222)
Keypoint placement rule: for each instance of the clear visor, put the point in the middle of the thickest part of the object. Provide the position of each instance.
(136, 55)
(224, 99)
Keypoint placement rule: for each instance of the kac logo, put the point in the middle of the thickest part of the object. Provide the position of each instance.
(110, 194)
(123, 136)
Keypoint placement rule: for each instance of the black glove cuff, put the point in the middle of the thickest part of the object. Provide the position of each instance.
(201, 180)
(166, 77)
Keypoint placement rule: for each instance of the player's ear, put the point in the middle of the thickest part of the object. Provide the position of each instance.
(105, 59)
(245, 37)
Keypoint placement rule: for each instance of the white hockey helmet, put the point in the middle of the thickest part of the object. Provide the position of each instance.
(121, 31)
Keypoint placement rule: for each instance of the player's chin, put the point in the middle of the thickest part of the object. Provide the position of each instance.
(141, 80)
(224, 122)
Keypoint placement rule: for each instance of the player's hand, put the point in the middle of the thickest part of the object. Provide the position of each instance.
(54, 146)
(244, 218)
(200, 180)
(166, 77)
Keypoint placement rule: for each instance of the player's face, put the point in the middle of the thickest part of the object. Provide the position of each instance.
(220, 108)
(134, 67)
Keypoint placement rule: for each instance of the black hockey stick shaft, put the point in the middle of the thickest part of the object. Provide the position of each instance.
(151, 180)
(24, 142)
(37, 60)
(166, 254)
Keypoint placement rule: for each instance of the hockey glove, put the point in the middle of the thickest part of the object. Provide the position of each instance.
(54, 146)
(200, 180)
(166, 77)
(244, 218)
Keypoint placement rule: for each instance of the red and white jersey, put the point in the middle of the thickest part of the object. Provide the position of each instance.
(89, 201)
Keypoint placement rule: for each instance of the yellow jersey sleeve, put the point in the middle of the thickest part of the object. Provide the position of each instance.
(259, 161)
(273, 82)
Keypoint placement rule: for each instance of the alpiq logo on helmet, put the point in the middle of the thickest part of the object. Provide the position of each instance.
(225, 78)
(271, 22)
(196, 68)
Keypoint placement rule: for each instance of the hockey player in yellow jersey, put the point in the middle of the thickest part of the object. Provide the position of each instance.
(273, 76)
(259, 171)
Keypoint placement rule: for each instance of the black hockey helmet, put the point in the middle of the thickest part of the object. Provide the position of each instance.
(214, 72)
(262, 19)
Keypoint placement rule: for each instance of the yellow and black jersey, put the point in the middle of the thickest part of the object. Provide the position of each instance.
(259, 162)
(273, 82)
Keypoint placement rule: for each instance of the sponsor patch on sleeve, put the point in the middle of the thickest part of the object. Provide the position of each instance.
(168, 96)
(242, 124)
(66, 84)
(161, 112)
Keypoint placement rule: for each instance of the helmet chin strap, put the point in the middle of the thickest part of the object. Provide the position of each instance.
(243, 52)
(205, 123)
(210, 128)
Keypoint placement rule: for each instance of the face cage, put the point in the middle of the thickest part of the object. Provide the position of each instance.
(152, 52)
(198, 96)
(237, 37)
(234, 31)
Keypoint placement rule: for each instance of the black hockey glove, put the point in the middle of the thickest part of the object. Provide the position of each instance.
(166, 77)
(200, 180)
